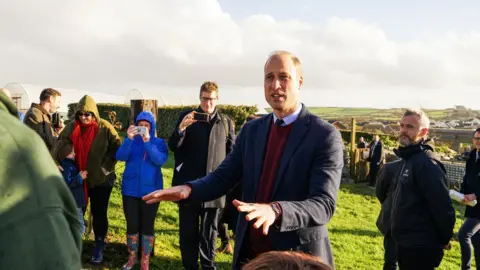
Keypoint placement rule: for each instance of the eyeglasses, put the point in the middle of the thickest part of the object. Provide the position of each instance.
(86, 114)
(208, 99)
(476, 138)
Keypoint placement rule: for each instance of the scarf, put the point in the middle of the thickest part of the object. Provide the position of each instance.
(81, 145)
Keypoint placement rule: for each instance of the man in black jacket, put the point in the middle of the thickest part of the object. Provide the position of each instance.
(201, 140)
(384, 191)
(468, 233)
(376, 158)
(422, 217)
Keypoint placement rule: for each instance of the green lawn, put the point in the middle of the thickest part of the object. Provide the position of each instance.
(356, 242)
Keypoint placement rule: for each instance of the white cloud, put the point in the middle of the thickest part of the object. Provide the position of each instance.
(176, 45)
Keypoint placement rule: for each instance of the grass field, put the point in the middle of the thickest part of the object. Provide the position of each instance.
(356, 242)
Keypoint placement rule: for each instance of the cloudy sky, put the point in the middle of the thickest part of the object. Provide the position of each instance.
(355, 53)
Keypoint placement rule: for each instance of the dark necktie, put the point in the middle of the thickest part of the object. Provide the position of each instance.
(279, 122)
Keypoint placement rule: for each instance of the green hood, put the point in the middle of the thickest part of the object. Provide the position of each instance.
(88, 104)
(7, 105)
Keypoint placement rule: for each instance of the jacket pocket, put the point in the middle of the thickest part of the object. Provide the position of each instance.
(311, 234)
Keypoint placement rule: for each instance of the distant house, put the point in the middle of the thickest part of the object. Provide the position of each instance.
(392, 128)
(374, 127)
(472, 123)
(338, 125)
(439, 124)
(377, 127)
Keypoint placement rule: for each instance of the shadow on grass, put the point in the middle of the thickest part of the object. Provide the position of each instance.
(358, 232)
(116, 255)
(359, 188)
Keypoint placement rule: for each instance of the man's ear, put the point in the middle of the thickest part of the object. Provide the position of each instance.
(424, 132)
(300, 82)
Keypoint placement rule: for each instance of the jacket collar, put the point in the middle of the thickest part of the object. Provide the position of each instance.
(39, 107)
(407, 152)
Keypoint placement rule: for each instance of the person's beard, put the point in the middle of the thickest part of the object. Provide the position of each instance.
(405, 140)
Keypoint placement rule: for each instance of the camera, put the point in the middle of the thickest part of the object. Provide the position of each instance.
(56, 120)
(141, 130)
(202, 117)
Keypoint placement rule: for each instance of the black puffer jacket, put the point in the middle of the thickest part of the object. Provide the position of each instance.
(422, 212)
(471, 184)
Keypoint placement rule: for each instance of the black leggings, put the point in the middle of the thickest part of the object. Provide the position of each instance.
(99, 197)
(140, 216)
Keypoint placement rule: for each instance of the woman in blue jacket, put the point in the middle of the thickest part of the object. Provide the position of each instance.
(144, 154)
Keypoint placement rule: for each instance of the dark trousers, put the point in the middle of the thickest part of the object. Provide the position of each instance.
(198, 229)
(467, 236)
(390, 255)
(419, 258)
(373, 173)
(99, 198)
(140, 216)
(222, 229)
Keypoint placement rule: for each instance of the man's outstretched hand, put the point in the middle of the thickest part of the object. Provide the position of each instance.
(176, 193)
(263, 213)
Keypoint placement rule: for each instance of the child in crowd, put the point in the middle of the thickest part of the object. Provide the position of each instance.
(144, 155)
(73, 177)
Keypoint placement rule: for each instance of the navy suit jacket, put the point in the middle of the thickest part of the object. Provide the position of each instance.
(306, 184)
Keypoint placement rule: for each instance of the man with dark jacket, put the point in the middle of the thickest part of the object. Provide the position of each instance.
(39, 118)
(422, 217)
(468, 234)
(200, 142)
(290, 165)
(384, 190)
(376, 158)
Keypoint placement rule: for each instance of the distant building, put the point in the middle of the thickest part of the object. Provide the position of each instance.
(338, 125)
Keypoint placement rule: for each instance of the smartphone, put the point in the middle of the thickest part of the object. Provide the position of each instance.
(202, 117)
(141, 130)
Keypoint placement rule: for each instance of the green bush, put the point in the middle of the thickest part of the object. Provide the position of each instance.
(167, 115)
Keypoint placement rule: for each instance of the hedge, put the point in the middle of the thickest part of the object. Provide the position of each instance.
(122, 114)
(167, 115)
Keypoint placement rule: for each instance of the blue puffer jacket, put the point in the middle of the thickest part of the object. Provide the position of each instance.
(142, 173)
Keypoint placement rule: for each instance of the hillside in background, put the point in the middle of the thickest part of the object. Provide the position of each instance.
(369, 114)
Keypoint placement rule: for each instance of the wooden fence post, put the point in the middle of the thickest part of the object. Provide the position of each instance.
(139, 105)
(353, 147)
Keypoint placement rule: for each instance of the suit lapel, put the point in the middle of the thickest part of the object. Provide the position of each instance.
(299, 129)
(260, 143)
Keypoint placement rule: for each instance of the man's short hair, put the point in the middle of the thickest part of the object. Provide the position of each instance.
(49, 92)
(422, 116)
(209, 87)
(295, 59)
(286, 260)
(64, 149)
(476, 130)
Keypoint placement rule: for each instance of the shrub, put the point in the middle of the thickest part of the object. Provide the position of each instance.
(120, 118)
(167, 115)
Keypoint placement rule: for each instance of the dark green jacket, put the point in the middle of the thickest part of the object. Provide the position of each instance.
(103, 148)
(39, 224)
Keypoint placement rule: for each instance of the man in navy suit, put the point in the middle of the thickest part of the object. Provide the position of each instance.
(290, 162)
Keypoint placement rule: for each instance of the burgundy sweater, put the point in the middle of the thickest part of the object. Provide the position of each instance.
(276, 143)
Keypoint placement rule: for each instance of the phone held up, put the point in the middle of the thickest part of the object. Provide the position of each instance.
(202, 117)
(141, 130)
